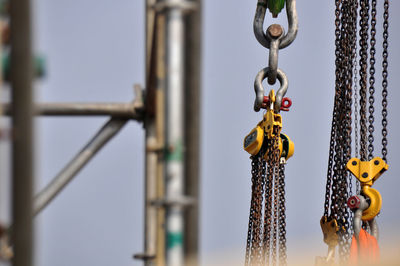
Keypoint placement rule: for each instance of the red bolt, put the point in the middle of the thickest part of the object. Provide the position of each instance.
(354, 202)
(286, 103)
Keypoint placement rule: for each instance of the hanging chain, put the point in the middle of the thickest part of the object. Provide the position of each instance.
(364, 17)
(268, 209)
(266, 236)
(335, 107)
(282, 217)
(371, 99)
(348, 16)
(255, 163)
(274, 163)
(384, 80)
(267, 188)
(256, 213)
(355, 81)
(339, 182)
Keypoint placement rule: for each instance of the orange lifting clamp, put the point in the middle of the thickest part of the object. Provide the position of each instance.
(367, 172)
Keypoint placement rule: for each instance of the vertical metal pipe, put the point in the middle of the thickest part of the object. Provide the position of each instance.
(160, 129)
(151, 156)
(22, 148)
(150, 222)
(192, 130)
(174, 137)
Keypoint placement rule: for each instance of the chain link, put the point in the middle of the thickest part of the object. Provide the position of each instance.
(267, 204)
(266, 241)
(371, 99)
(268, 209)
(364, 18)
(385, 80)
(282, 217)
(339, 184)
(274, 163)
(355, 81)
(254, 171)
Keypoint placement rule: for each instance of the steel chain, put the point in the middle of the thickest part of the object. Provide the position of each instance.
(364, 17)
(371, 99)
(355, 81)
(282, 217)
(339, 183)
(254, 165)
(268, 207)
(268, 192)
(384, 78)
(274, 163)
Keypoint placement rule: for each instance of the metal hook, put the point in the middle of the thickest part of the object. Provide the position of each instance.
(264, 39)
(259, 89)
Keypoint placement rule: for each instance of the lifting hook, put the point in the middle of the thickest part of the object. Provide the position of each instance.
(359, 205)
(367, 172)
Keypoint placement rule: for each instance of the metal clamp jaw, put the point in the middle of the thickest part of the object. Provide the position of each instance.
(367, 172)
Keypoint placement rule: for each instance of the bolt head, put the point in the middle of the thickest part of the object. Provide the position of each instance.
(275, 31)
(354, 202)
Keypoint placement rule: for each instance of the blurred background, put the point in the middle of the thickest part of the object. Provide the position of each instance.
(95, 52)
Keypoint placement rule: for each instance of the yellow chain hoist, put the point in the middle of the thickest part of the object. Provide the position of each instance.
(268, 128)
(367, 172)
(268, 147)
(349, 218)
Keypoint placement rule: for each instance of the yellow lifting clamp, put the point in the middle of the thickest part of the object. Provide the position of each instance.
(367, 172)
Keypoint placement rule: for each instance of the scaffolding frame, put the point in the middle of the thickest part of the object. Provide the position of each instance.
(168, 107)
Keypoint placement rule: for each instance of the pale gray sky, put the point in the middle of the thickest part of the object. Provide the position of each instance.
(95, 52)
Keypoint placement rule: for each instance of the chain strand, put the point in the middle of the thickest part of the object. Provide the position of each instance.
(385, 80)
(371, 99)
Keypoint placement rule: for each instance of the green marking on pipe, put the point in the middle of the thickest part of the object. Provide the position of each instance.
(275, 7)
(174, 239)
(174, 152)
(39, 65)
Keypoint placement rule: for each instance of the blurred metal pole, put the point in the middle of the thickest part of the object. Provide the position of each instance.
(174, 135)
(172, 49)
(192, 130)
(126, 110)
(22, 125)
(151, 253)
(107, 132)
